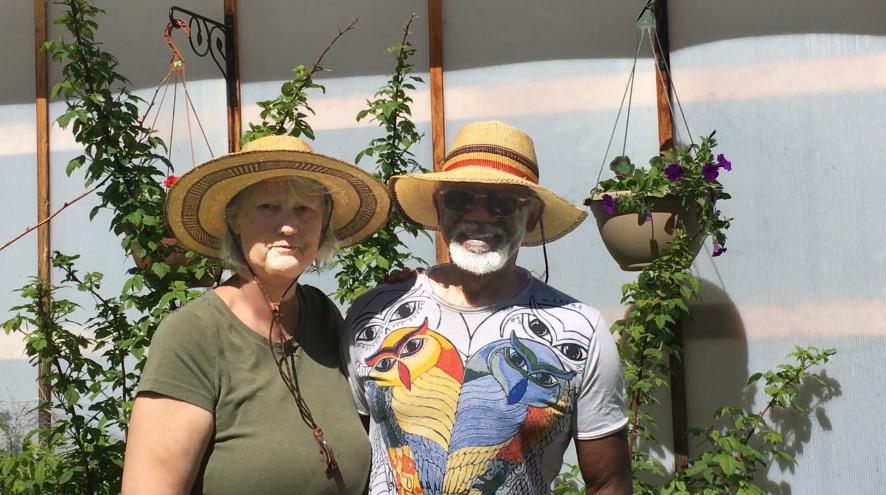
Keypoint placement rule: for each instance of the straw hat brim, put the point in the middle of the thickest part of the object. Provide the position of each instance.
(195, 205)
(414, 196)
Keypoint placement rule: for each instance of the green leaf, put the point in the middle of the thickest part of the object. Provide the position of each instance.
(74, 164)
(160, 269)
(622, 166)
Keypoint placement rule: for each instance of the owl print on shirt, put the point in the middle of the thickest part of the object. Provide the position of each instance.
(478, 400)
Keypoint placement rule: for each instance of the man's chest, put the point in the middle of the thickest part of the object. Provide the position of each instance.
(504, 377)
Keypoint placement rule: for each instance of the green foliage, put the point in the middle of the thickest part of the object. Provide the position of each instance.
(363, 266)
(697, 187)
(94, 364)
(91, 385)
(286, 114)
(569, 482)
(741, 443)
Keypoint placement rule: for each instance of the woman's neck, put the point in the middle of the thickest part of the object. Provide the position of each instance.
(254, 304)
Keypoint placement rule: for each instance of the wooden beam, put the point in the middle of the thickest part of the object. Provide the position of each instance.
(663, 77)
(233, 80)
(438, 121)
(41, 62)
(665, 141)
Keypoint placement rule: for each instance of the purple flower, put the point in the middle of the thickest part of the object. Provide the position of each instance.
(674, 172)
(723, 162)
(608, 204)
(709, 171)
(648, 217)
(718, 249)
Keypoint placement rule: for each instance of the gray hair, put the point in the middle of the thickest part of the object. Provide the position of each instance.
(231, 252)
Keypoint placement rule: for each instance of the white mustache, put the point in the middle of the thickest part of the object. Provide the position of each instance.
(478, 228)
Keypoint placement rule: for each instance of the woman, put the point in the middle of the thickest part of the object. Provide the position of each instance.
(242, 391)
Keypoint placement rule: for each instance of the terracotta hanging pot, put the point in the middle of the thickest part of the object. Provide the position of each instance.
(633, 240)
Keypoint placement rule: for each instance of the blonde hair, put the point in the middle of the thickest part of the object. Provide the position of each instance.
(231, 252)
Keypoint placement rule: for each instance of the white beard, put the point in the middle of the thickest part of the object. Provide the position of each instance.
(478, 263)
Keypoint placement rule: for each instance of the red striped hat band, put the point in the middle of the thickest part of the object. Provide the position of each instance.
(495, 165)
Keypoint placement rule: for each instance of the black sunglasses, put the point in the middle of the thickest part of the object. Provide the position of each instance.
(462, 202)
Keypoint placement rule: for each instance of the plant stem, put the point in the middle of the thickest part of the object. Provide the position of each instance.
(50, 217)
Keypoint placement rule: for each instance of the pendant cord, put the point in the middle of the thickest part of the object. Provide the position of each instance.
(286, 362)
(544, 247)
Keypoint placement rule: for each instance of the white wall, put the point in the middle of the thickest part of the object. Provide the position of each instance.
(796, 92)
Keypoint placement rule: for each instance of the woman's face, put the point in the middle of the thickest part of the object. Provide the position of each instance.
(279, 225)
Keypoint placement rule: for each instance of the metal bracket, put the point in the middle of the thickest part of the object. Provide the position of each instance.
(209, 37)
(646, 20)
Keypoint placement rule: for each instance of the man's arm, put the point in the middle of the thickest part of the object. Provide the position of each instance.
(605, 464)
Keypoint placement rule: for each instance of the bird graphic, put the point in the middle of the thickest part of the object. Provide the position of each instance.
(565, 329)
(514, 392)
(414, 384)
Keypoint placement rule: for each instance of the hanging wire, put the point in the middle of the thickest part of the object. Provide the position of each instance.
(199, 124)
(673, 89)
(172, 122)
(628, 88)
(624, 143)
(174, 76)
(673, 100)
(188, 121)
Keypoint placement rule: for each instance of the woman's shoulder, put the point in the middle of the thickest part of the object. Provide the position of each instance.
(196, 316)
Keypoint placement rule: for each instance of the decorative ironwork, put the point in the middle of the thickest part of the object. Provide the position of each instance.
(207, 37)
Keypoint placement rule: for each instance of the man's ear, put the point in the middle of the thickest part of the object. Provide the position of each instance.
(536, 208)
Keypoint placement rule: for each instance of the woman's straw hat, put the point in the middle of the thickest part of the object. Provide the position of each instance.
(195, 205)
(487, 153)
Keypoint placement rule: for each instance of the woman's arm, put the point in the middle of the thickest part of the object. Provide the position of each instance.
(166, 441)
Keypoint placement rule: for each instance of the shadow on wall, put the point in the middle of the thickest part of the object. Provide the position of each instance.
(715, 356)
(797, 427)
(696, 22)
(275, 35)
(716, 364)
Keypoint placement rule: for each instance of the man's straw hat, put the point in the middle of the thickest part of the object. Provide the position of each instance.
(487, 153)
(195, 205)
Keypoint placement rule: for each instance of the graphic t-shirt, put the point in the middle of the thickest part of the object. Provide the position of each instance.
(478, 400)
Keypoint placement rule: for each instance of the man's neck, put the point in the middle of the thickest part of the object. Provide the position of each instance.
(462, 288)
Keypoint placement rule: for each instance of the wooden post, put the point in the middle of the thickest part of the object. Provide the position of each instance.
(663, 77)
(666, 141)
(438, 128)
(44, 415)
(233, 76)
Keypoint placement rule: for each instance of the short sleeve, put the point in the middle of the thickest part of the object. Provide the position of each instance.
(183, 360)
(600, 405)
(347, 350)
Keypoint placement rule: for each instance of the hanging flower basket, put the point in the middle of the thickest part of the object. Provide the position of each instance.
(638, 210)
(634, 240)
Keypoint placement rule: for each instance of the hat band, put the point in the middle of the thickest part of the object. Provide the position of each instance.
(492, 149)
(477, 162)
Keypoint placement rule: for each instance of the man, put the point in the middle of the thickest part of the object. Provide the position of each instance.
(475, 374)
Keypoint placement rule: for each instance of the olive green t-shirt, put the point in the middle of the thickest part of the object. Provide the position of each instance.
(204, 355)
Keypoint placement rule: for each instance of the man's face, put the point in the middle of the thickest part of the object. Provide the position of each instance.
(484, 224)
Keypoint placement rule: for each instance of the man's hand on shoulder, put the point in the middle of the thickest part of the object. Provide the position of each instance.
(404, 275)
